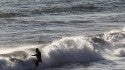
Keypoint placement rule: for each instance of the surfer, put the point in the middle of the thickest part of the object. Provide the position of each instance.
(38, 56)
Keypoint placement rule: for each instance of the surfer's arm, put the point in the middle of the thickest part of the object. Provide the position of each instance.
(34, 55)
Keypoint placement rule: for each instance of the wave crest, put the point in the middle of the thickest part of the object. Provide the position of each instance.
(80, 49)
(71, 50)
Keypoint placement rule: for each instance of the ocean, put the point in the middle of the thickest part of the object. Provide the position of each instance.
(71, 34)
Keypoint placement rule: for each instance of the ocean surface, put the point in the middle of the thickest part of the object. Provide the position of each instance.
(71, 34)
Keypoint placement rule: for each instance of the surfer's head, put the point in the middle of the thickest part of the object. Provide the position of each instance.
(37, 49)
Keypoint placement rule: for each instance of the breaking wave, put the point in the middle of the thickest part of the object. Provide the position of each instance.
(80, 49)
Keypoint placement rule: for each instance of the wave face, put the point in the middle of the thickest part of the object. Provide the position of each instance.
(71, 50)
(77, 49)
(31, 7)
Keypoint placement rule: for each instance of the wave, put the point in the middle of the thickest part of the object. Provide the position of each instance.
(80, 49)
(81, 7)
(68, 9)
(50, 9)
(4, 15)
(12, 14)
(61, 7)
(70, 50)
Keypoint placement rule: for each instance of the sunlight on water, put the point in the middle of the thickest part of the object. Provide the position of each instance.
(71, 34)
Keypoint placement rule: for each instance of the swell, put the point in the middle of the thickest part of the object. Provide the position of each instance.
(51, 9)
(12, 14)
(68, 9)
(63, 7)
(81, 7)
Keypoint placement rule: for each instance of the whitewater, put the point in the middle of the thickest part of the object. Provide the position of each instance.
(71, 34)
(107, 48)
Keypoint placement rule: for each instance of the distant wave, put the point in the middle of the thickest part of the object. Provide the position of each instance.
(58, 7)
(81, 6)
(12, 14)
(4, 15)
(51, 9)
(69, 9)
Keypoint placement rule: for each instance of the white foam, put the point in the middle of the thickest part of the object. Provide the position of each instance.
(120, 52)
(114, 35)
(78, 49)
(70, 49)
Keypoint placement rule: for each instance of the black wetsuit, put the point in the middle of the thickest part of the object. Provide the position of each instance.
(38, 56)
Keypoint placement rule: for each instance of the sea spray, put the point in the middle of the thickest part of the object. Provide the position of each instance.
(70, 50)
(75, 49)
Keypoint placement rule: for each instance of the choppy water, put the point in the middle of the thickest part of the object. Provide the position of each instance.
(71, 34)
